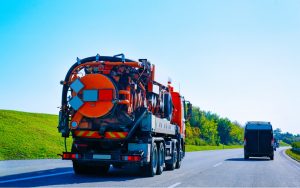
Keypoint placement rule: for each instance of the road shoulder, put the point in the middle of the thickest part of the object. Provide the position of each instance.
(291, 160)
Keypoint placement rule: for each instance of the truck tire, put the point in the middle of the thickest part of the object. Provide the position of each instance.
(161, 159)
(271, 157)
(178, 162)
(151, 168)
(78, 168)
(246, 157)
(172, 165)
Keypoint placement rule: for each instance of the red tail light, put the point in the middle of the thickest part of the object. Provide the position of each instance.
(245, 141)
(67, 156)
(131, 158)
(272, 142)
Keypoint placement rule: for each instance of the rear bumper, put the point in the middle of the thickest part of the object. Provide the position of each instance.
(109, 162)
(259, 154)
(107, 158)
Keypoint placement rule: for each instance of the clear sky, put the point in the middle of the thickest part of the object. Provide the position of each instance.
(239, 59)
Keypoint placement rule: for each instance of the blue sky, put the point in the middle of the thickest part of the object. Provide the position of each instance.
(239, 59)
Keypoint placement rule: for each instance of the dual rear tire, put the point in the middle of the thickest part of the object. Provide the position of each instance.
(157, 160)
(176, 158)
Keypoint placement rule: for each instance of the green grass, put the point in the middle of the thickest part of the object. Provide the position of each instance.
(29, 135)
(189, 148)
(293, 154)
(282, 143)
(296, 145)
(26, 135)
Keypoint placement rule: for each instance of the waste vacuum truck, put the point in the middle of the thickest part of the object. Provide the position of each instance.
(117, 114)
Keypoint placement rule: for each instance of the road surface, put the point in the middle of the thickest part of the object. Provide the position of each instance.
(217, 168)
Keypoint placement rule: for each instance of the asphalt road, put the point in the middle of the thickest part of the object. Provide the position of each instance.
(220, 168)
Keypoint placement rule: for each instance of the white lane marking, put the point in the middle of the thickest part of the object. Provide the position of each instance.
(36, 177)
(174, 185)
(218, 164)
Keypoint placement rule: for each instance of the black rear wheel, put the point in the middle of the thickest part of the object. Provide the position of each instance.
(178, 162)
(79, 168)
(151, 168)
(172, 164)
(161, 159)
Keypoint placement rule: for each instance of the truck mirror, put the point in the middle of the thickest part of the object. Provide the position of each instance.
(189, 111)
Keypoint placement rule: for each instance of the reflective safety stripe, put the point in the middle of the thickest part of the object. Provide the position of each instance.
(95, 134)
(116, 135)
(109, 135)
(79, 133)
(121, 134)
(90, 133)
(87, 134)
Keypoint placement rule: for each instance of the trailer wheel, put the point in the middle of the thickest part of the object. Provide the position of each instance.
(172, 165)
(151, 168)
(161, 159)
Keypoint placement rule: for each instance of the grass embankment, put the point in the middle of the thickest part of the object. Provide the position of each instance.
(282, 143)
(189, 148)
(26, 135)
(29, 135)
(293, 154)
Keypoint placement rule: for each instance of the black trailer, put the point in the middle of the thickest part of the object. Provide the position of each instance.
(258, 140)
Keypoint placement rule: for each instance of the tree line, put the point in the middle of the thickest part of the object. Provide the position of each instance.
(207, 128)
(286, 137)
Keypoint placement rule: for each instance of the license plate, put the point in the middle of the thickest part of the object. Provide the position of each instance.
(97, 156)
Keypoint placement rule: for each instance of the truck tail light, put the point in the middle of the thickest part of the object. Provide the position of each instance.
(131, 158)
(245, 141)
(70, 156)
(272, 142)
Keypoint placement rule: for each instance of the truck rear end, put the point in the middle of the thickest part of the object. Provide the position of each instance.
(115, 117)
